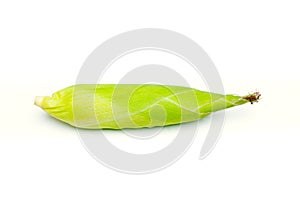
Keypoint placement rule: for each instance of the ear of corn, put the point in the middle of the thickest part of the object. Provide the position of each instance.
(117, 106)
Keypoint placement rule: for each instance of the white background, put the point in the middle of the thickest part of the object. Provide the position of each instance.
(254, 44)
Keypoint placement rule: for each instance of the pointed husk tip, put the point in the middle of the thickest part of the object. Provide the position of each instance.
(38, 101)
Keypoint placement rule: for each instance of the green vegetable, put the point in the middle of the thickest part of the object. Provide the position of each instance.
(118, 106)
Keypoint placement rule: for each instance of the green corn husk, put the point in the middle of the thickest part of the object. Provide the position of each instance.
(118, 106)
